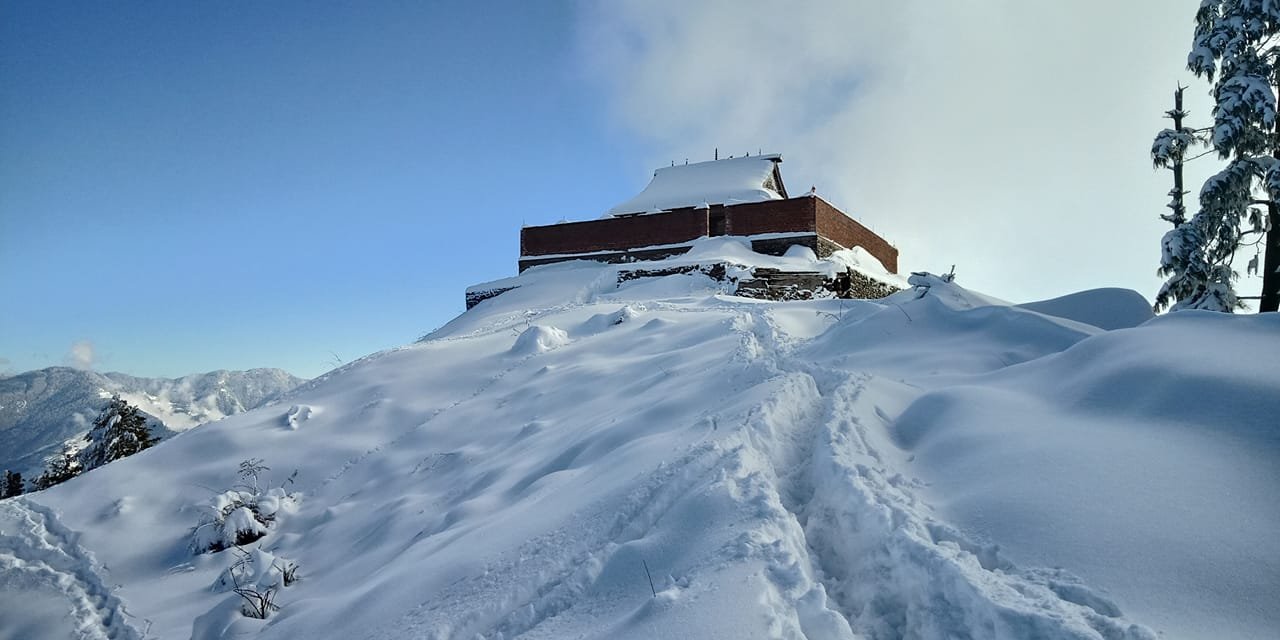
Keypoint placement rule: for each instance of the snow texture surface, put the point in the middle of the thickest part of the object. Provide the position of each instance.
(937, 464)
(729, 181)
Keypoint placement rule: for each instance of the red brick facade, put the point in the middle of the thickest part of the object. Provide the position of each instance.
(614, 234)
(834, 225)
(770, 216)
(809, 214)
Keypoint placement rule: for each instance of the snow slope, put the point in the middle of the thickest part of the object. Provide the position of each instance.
(933, 465)
(41, 409)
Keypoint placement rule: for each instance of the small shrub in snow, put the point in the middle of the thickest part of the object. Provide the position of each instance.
(258, 604)
(250, 470)
(289, 573)
(257, 577)
(242, 514)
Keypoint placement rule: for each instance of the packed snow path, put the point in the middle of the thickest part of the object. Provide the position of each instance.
(891, 569)
(820, 469)
(49, 584)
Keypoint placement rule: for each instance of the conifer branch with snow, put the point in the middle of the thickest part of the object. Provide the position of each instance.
(1234, 47)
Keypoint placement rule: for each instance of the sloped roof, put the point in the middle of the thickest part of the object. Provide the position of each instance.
(730, 181)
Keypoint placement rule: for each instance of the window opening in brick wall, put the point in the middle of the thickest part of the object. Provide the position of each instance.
(716, 222)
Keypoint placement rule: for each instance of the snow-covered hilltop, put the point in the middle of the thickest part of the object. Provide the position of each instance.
(40, 409)
(582, 457)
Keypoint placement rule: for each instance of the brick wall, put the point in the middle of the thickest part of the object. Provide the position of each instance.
(612, 234)
(770, 216)
(841, 228)
(796, 215)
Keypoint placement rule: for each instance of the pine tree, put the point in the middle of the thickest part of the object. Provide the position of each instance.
(12, 485)
(1169, 151)
(119, 431)
(60, 469)
(1235, 48)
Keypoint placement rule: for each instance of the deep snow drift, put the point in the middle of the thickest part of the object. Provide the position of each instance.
(936, 464)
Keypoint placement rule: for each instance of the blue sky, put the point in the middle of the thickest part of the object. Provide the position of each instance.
(192, 186)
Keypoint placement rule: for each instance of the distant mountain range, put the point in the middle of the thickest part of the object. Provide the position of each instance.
(39, 410)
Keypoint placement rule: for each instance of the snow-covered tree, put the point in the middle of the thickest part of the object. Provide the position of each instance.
(119, 431)
(60, 469)
(1237, 48)
(12, 485)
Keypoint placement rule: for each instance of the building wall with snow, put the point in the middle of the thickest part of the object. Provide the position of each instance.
(772, 216)
(833, 224)
(614, 234)
(809, 221)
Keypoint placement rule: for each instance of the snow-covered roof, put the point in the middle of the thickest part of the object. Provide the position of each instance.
(730, 181)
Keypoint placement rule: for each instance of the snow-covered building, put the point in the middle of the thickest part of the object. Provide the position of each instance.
(737, 196)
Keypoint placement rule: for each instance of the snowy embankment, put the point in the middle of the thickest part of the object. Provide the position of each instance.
(936, 464)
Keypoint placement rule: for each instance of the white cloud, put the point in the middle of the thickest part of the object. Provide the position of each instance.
(81, 355)
(1007, 137)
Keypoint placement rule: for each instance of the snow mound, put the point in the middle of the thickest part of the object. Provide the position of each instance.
(298, 414)
(601, 322)
(1109, 308)
(940, 328)
(1106, 459)
(539, 339)
(800, 252)
(858, 258)
(554, 286)
(720, 248)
